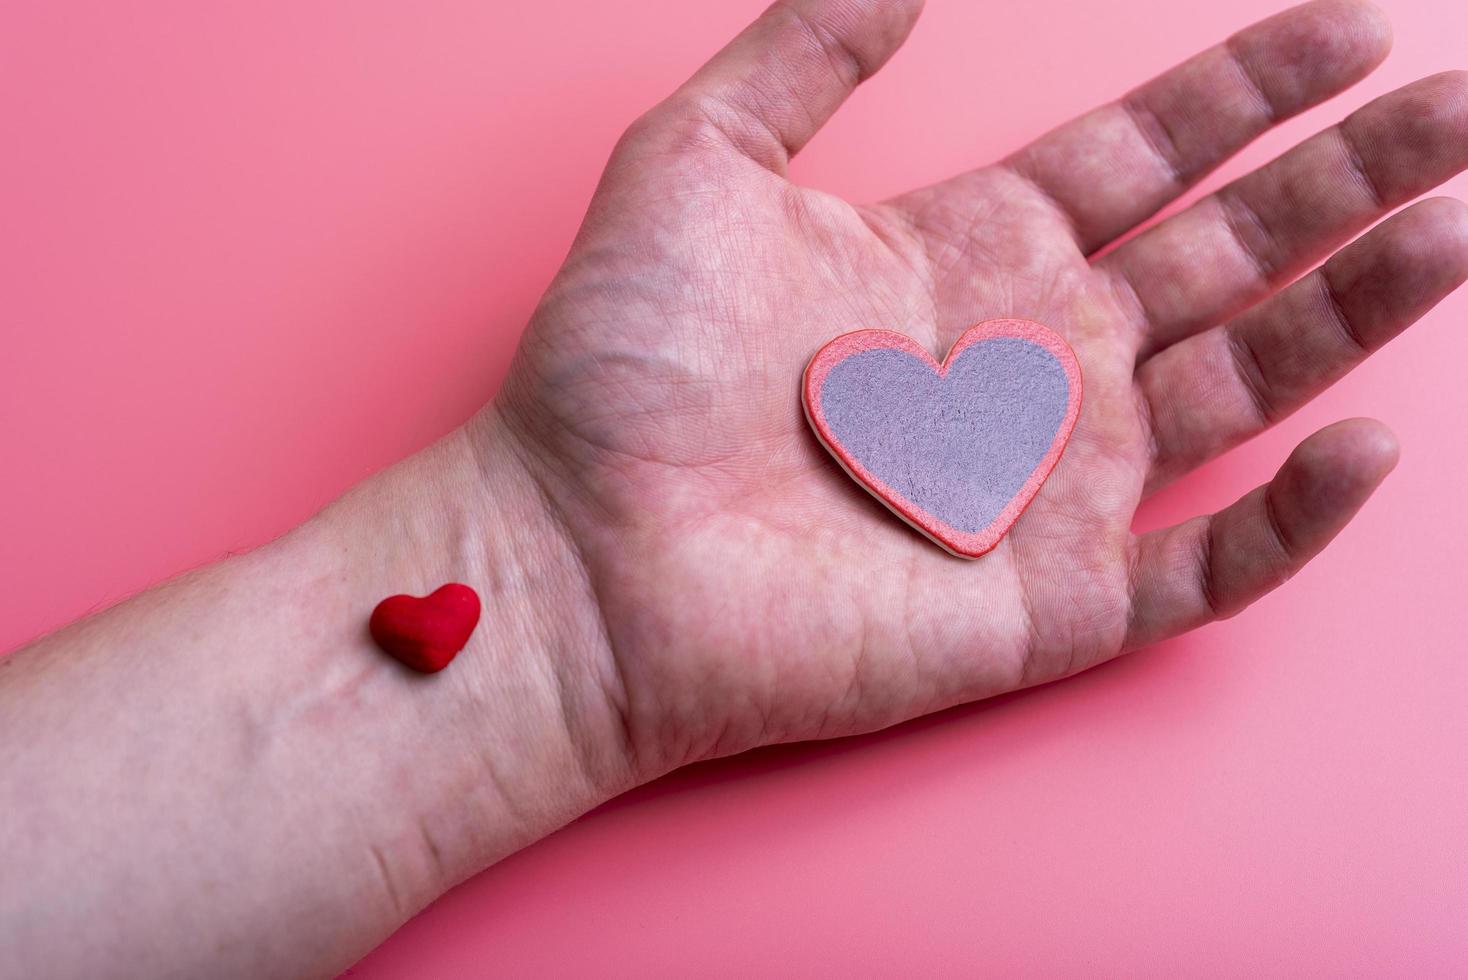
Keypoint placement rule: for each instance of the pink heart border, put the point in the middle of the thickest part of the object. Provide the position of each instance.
(962, 544)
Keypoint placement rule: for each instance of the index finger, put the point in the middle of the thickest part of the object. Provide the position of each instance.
(1114, 167)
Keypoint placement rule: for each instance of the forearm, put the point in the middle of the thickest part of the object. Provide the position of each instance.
(224, 777)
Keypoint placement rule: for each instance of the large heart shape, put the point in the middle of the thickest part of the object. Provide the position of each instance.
(957, 449)
(426, 633)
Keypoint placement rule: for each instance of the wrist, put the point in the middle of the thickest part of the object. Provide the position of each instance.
(519, 735)
(539, 662)
(270, 773)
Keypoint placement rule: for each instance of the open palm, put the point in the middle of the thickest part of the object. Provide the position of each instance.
(746, 589)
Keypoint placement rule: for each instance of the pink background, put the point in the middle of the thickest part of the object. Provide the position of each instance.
(252, 252)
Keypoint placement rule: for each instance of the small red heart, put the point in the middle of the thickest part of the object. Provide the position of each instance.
(426, 633)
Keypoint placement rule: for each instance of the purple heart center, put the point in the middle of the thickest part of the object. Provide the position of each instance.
(959, 445)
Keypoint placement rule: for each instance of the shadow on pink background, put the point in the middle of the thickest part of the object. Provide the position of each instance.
(253, 252)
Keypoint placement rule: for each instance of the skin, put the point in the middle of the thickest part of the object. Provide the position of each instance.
(223, 777)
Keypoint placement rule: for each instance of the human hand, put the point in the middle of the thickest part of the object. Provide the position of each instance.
(671, 565)
(742, 589)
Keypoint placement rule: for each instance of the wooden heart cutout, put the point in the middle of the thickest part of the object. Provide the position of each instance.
(958, 449)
